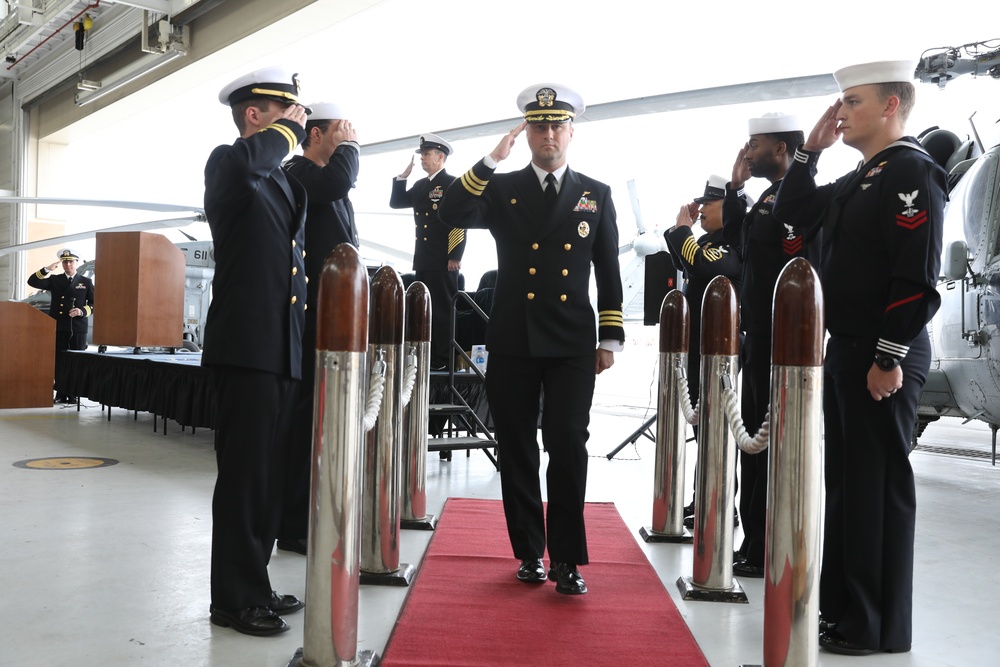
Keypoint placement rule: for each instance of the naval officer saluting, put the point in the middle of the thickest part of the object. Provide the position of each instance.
(550, 224)
(253, 341)
(437, 254)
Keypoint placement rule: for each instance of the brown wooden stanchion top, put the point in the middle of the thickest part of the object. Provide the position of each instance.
(798, 331)
(418, 313)
(342, 311)
(675, 323)
(719, 319)
(385, 326)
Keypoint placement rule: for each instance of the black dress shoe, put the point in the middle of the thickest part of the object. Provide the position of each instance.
(745, 568)
(832, 641)
(257, 621)
(825, 625)
(298, 546)
(567, 578)
(531, 571)
(285, 604)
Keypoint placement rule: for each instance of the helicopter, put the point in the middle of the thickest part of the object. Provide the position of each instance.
(964, 378)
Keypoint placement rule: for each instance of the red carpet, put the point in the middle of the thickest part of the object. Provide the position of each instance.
(466, 609)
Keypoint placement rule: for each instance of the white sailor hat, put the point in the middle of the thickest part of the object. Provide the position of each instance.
(273, 83)
(715, 188)
(774, 122)
(429, 141)
(67, 254)
(883, 71)
(326, 111)
(550, 103)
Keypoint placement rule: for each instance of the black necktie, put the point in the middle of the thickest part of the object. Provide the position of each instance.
(550, 191)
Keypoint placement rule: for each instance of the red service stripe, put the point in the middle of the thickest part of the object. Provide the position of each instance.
(911, 222)
(903, 301)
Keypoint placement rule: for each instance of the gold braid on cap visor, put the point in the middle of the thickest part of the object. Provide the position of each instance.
(275, 93)
(548, 116)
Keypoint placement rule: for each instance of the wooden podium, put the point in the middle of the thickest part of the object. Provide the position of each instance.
(138, 291)
(27, 356)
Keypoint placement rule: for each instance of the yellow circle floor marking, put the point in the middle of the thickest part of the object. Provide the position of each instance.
(65, 463)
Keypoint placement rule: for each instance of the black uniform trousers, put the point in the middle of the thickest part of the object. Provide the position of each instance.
(295, 512)
(514, 385)
(756, 355)
(250, 451)
(442, 286)
(866, 582)
(67, 339)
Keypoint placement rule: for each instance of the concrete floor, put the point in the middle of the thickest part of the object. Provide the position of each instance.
(110, 566)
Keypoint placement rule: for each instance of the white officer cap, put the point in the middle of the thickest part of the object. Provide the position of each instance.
(273, 83)
(774, 122)
(883, 71)
(429, 141)
(326, 111)
(66, 253)
(550, 103)
(715, 188)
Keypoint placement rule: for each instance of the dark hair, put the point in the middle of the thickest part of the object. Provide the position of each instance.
(792, 139)
(240, 110)
(904, 91)
(321, 124)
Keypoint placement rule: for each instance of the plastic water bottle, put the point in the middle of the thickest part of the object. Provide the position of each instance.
(479, 357)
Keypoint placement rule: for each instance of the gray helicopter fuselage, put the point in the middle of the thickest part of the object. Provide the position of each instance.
(964, 379)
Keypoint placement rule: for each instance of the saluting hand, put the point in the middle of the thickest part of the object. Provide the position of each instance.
(344, 131)
(687, 214)
(741, 170)
(409, 168)
(295, 113)
(827, 130)
(503, 148)
(52, 267)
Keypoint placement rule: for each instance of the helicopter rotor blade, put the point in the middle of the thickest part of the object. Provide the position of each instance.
(106, 203)
(136, 227)
(756, 91)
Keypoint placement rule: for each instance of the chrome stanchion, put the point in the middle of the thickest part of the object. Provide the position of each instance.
(414, 514)
(333, 553)
(382, 453)
(712, 572)
(671, 427)
(794, 498)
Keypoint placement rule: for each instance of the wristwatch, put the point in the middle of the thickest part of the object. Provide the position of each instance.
(885, 361)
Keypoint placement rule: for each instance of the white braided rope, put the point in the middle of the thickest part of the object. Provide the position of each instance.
(409, 377)
(690, 414)
(753, 445)
(375, 389)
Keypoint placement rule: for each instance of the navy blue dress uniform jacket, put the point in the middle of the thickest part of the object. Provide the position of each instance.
(765, 246)
(541, 303)
(881, 250)
(435, 243)
(330, 214)
(257, 217)
(701, 260)
(67, 294)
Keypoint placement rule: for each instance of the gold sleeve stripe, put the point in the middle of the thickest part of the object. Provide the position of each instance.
(455, 238)
(473, 184)
(691, 248)
(610, 318)
(88, 310)
(287, 133)
(39, 273)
